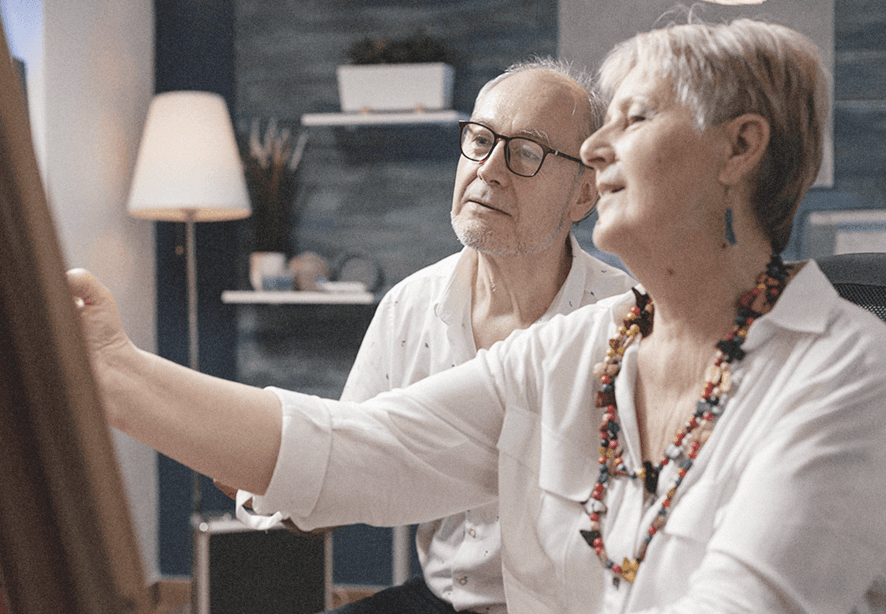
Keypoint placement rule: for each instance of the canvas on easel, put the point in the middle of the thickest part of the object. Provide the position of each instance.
(67, 543)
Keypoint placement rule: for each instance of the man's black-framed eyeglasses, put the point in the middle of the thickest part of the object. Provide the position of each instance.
(523, 156)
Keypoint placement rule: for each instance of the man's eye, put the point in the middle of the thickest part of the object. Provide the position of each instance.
(529, 153)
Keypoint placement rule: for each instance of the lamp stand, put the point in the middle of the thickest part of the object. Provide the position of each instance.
(192, 290)
(194, 349)
(194, 363)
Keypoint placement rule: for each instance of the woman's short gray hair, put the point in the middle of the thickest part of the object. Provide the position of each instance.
(721, 71)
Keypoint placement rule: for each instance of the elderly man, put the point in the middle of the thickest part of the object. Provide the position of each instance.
(513, 208)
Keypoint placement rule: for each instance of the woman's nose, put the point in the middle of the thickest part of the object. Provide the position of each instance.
(595, 151)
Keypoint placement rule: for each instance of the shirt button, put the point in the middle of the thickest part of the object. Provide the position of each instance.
(472, 533)
(463, 580)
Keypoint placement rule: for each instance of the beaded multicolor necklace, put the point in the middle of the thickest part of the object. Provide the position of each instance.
(688, 440)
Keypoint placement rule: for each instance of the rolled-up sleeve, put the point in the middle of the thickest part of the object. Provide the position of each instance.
(406, 456)
(306, 440)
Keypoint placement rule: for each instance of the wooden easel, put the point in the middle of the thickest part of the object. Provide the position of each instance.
(67, 544)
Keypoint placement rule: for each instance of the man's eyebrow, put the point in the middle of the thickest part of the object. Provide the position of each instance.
(536, 135)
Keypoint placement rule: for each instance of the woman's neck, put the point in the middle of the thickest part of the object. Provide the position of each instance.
(694, 310)
(696, 295)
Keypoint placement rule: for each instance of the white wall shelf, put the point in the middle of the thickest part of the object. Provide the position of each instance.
(447, 116)
(293, 297)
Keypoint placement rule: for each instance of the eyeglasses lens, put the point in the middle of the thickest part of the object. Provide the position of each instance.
(476, 142)
(523, 157)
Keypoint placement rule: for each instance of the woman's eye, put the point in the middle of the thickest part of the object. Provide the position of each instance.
(638, 113)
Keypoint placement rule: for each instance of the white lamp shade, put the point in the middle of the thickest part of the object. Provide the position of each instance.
(188, 165)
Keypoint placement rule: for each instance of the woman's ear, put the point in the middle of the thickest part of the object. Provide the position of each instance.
(748, 138)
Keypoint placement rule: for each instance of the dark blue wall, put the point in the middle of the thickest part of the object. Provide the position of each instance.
(194, 51)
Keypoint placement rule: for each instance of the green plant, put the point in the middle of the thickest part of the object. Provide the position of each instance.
(416, 48)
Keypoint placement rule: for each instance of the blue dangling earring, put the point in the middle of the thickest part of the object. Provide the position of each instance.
(729, 235)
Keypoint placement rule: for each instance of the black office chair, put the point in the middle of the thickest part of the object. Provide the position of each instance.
(859, 278)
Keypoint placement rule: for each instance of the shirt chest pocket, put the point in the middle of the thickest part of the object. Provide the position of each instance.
(564, 467)
(545, 480)
(694, 516)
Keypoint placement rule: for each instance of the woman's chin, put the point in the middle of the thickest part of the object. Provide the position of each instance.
(604, 238)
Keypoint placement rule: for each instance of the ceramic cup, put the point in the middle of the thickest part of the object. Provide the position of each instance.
(265, 265)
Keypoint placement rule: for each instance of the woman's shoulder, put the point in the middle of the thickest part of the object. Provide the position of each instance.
(812, 304)
(824, 342)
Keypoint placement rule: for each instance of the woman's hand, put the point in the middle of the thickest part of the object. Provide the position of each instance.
(219, 428)
(107, 344)
(99, 318)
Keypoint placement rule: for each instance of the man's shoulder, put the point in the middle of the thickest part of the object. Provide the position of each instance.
(599, 279)
(594, 266)
(425, 283)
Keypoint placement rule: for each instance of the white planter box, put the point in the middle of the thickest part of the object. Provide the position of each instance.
(395, 87)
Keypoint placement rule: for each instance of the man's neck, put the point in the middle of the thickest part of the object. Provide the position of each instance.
(512, 292)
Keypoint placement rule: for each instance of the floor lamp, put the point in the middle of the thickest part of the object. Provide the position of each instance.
(189, 170)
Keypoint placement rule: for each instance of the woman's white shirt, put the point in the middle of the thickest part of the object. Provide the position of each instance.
(783, 511)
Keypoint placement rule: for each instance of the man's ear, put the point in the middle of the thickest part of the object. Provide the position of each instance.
(747, 139)
(586, 197)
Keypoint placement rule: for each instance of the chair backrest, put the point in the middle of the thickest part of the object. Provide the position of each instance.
(859, 278)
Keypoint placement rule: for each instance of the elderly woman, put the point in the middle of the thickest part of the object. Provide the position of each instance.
(711, 442)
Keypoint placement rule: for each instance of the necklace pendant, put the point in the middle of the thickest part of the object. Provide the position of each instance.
(650, 475)
(629, 569)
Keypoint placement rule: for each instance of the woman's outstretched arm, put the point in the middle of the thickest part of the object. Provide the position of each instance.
(226, 430)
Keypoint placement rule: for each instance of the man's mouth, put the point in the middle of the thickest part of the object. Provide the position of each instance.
(485, 205)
